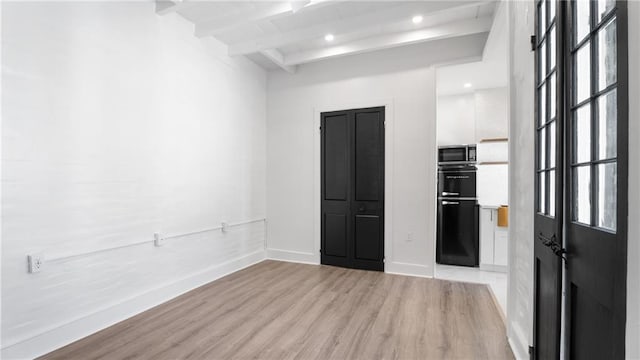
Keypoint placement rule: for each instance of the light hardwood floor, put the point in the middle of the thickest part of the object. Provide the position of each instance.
(278, 310)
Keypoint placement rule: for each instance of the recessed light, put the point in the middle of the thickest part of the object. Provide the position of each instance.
(417, 19)
(467, 85)
(328, 37)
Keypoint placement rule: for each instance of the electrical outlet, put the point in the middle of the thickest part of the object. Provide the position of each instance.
(410, 237)
(225, 227)
(158, 240)
(35, 263)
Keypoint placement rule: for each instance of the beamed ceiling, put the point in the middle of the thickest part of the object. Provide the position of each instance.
(285, 34)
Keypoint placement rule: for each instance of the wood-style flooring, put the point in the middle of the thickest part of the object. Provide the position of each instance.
(278, 310)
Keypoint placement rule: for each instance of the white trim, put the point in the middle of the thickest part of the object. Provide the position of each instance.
(63, 334)
(494, 268)
(388, 168)
(519, 344)
(293, 256)
(406, 269)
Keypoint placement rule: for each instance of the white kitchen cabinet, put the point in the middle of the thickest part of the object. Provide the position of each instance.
(500, 237)
(493, 241)
(492, 114)
(492, 152)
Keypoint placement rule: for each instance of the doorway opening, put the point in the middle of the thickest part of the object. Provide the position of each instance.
(473, 167)
(352, 160)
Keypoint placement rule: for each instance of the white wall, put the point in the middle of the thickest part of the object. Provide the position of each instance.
(633, 254)
(118, 123)
(403, 80)
(520, 297)
(521, 156)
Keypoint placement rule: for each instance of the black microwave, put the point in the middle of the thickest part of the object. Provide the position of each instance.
(457, 155)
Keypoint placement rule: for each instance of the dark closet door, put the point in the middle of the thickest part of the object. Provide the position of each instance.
(352, 158)
(549, 122)
(597, 162)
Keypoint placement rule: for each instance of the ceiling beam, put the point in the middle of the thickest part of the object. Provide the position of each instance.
(449, 30)
(276, 57)
(164, 7)
(278, 10)
(433, 13)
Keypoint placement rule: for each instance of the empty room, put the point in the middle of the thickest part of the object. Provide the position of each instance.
(320, 179)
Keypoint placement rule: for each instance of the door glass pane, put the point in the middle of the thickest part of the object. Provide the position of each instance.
(582, 194)
(542, 110)
(607, 195)
(542, 205)
(607, 58)
(604, 7)
(542, 58)
(607, 125)
(552, 144)
(582, 135)
(542, 17)
(552, 193)
(582, 15)
(552, 96)
(583, 73)
(552, 48)
(542, 160)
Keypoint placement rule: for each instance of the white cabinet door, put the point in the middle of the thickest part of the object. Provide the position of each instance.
(492, 184)
(500, 247)
(487, 226)
(492, 114)
(493, 152)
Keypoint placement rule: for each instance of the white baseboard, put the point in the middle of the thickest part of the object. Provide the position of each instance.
(407, 269)
(293, 256)
(66, 333)
(494, 268)
(519, 344)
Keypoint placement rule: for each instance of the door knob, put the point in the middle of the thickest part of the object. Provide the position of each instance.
(361, 208)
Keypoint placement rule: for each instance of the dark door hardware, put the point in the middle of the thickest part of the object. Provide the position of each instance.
(552, 244)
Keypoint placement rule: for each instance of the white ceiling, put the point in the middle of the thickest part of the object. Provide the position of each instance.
(490, 72)
(275, 36)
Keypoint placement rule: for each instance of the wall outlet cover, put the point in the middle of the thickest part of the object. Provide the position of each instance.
(158, 240)
(35, 263)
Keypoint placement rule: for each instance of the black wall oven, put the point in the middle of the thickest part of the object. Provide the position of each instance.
(458, 216)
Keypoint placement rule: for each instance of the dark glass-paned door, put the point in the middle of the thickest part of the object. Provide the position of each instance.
(549, 122)
(597, 175)
(581, 162)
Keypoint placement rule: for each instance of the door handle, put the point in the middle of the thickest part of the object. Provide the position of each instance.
(445, 193)
(552, 244)
(450, 203)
